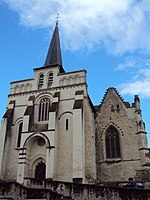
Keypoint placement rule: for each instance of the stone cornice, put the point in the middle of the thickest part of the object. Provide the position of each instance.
(47, 89)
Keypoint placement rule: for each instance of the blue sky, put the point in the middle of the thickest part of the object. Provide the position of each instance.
(110, 39)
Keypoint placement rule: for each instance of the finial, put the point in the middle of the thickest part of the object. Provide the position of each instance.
(57, 17)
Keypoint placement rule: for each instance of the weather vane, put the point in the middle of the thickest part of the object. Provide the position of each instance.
(57, 18)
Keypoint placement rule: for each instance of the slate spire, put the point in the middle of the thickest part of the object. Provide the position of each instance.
(54, 53)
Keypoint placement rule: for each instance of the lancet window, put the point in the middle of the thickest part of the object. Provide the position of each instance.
(66, 124)
(112, 143)
(19, 134)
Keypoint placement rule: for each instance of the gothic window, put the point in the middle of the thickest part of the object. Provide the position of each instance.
(112, 143)
(19, 134)
(50, 79)
(44, 108)
(41, 80)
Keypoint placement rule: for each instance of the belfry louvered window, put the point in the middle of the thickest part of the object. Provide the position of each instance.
(41, 80)
(44, 108)
(50, 79)
(112, 143)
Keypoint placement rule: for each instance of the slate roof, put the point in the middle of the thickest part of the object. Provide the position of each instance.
(54, 53)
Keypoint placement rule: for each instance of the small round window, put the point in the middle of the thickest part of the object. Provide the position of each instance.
(40, 142)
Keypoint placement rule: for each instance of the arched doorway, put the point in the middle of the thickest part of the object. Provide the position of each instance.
(40, 170)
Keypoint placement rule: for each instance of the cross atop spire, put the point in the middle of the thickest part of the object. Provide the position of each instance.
(57, 19)
(54, 53)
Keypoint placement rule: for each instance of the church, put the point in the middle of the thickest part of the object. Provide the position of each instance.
(51, 129)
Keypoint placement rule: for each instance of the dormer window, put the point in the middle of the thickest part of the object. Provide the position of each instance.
(41, 80)
(50, 79)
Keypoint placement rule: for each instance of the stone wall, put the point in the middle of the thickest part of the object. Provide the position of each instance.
(90, 158)
(62, 190)
(13, 190)
(114, 113)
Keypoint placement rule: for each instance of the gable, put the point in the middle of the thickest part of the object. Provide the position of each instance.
(113, 103)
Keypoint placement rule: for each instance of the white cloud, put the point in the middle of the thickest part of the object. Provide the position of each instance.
(129, 62)
(139, 70)
(135, 62)
(139, 86)
(118, 26)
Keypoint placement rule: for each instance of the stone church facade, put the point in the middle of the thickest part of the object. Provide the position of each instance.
(51, 130)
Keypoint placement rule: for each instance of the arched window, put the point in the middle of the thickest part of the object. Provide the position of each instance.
(41, 80)
(19, 134)
(112, 143)
(44, 108)
(50, 79)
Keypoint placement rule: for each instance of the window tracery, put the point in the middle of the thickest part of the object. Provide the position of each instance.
(112, 143)
(44, 108)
